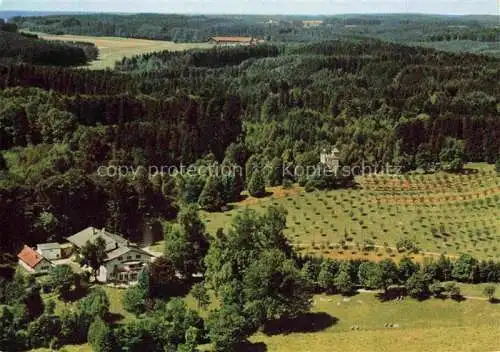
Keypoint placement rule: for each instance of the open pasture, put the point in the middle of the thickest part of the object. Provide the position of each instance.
(112, 49)
(431, 325)
(440, 213)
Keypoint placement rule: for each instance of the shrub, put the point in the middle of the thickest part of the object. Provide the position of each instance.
(287, 183)
(489, 292)
(257, 187)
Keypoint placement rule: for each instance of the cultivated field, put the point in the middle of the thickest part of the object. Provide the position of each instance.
(441, 213)
(112, 49)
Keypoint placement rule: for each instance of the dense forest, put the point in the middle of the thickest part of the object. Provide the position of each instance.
(266, 106)
(183, 28)
(26, 48)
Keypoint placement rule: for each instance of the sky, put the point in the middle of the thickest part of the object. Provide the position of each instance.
(456, 7)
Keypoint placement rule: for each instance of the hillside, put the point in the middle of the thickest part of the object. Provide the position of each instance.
(438, 213)
(378, 103)
(400, 28)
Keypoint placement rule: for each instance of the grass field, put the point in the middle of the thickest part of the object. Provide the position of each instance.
(112, 49)
(476, 290)
(441, 213)
(432, 325)
(429, 325)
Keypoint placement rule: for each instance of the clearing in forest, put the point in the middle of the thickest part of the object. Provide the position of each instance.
(112, 49)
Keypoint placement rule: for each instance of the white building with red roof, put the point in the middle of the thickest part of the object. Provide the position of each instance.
(33, 261)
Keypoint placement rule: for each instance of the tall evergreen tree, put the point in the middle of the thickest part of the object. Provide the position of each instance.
(212, 196)
(257, 186)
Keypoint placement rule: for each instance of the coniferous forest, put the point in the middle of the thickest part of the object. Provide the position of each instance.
(263, 107)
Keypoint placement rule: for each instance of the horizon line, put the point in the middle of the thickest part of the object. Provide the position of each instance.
(249, 14)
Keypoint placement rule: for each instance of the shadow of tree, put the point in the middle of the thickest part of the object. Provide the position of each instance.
(112, 318)
(392, 293)
(458, 298)
(76, 294)
(306, 323)
(240, 198)
(352, 293)
(494, 301)
(247, 346)
(265, 195)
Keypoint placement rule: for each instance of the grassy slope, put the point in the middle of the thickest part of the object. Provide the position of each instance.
(112, 49)
(385, 211)
(432, 325)
(429, 325)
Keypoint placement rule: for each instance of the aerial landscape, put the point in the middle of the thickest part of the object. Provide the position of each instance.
(256, 176)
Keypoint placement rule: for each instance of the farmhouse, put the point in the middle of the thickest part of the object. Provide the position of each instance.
(51, 251)
(312, 23)
(33, 261)
(124, 260)
(233, 41)
(112, 240)
(124, 264)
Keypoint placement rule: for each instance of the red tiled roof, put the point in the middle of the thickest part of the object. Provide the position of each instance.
(30, 257)
(233, 39)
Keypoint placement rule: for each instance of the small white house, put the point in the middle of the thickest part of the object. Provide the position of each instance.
(33, 261)
(124, 260)
(330, 158)
(51, 251)
(123, 265)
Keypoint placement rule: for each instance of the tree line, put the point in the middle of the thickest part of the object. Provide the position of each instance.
(20, 48)
(279, 28)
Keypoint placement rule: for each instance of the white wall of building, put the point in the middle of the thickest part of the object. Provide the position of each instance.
(107, 271)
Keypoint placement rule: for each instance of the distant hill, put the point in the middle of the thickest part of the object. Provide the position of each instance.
(10, 14)
(400, 28)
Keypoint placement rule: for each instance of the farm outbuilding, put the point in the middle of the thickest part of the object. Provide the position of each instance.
(51, 251)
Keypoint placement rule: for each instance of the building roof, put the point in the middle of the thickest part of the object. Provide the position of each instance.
(30, 257)
(312, 22)
(112, 240)
(47, 246)
(233, 39)
(120, 251)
